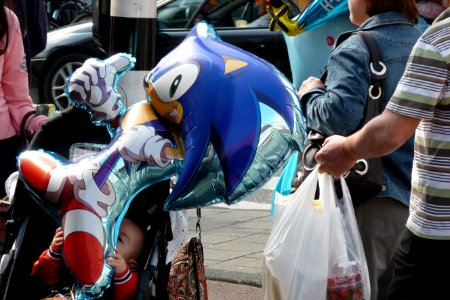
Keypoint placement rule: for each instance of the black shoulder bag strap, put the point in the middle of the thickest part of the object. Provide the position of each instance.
(377, 67)
(373, 106)
(378, 74)
(365, 179)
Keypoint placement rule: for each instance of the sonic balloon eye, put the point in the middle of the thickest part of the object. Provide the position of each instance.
(174, 85)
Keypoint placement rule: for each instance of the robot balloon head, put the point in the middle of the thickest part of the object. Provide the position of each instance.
(296, 16)
(284, 14)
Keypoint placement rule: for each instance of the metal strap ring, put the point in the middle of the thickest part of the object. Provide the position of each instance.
(378, 73)
(309, 147)
(363, 172)
(371, 94)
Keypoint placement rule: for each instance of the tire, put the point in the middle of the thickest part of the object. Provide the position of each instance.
(56, 78)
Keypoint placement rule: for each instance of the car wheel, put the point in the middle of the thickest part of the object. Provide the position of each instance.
(56, 79)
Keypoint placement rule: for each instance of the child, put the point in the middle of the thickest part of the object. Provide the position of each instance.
(130, 242)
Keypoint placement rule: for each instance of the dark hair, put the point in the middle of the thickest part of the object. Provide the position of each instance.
(406, 7)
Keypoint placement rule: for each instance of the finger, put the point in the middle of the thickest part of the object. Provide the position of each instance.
(121, 62)
(321, 168)
(81, 78)
(90, 71)
(93, 68)
(317, 158)
(111, 261)
(76, 92)
(326, 141)
(96, 95)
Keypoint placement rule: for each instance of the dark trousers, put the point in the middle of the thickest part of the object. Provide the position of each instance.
(9, 150)
(381, 222)
(422, 269)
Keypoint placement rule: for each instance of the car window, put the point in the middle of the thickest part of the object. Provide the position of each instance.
(180, 14)
(246, 13)
(177, 14)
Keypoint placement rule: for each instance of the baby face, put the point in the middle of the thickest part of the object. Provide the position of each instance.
(130, 241)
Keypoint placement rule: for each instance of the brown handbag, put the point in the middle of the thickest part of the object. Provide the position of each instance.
(187, 277)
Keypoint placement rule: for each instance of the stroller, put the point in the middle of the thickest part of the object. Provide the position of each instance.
(30, 228)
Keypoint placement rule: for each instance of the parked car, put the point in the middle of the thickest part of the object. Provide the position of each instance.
(68, 47)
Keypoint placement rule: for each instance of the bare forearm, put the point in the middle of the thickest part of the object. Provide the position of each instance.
(379, 137)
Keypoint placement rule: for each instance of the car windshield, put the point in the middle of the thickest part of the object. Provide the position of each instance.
(184, 14)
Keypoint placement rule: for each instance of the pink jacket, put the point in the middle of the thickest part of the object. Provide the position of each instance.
(15, 100)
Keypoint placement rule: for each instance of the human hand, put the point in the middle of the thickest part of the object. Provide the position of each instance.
(333, 157)
(118, 262)
(57, 241)
(308, 84)
(93, 85)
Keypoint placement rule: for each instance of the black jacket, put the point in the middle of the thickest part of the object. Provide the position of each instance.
(34, 25)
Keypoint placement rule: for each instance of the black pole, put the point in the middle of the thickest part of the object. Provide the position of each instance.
(133, 30)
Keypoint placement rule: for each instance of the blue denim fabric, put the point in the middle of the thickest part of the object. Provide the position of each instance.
(339, 108)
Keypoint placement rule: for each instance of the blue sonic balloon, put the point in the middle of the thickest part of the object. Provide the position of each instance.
(238, 117)
(219, 119)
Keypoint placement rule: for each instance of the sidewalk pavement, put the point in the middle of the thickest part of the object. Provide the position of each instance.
(233, 241)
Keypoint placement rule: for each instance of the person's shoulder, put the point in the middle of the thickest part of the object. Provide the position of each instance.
(444, 15)
(437, 31)
(13, 22)
(351, 42)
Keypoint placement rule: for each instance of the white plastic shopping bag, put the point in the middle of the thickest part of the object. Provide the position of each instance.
(311, 252)
(296, 253)
(348, 275)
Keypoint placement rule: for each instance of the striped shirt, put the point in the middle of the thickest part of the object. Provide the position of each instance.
(424, 93)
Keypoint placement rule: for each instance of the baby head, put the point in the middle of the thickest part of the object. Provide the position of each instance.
(130, 242)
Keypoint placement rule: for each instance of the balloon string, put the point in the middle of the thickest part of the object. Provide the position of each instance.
(198, 228)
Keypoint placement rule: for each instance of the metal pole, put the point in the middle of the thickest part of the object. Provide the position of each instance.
(133, 30)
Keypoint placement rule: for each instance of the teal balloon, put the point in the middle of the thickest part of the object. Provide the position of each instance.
(309, 51)
(320, 12)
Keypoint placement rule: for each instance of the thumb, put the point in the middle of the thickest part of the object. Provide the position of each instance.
(121, 62)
